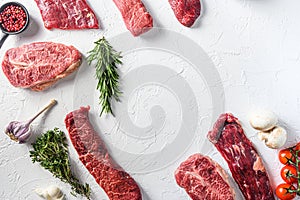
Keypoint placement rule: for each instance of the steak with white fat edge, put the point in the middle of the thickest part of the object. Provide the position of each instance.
(39, 65)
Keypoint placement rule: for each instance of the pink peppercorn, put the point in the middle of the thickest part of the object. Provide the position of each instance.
(13, 18)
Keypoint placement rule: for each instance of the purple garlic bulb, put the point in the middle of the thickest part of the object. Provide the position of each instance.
(21, 131)
(18, 131)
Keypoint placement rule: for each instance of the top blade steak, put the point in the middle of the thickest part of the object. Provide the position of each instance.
(40, 64)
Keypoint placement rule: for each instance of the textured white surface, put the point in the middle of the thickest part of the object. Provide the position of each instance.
(253, 44)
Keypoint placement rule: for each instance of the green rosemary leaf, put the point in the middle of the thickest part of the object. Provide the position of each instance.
(106, 60)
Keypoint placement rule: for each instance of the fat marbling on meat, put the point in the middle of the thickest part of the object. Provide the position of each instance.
(204, 179)
(117, 183)
(245, 164)
(39, 65)
(67, 14)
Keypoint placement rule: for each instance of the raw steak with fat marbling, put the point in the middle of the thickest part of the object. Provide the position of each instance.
(245, 164)
(39, 65)
(186, 11)
(67, 14)
(135, 16)
(204, 179)
(117, 183)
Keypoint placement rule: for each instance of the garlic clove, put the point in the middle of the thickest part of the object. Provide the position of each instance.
(54, 192)
(42, 193)
(39, 191)
(24, 137)
(50, 193)
(263, 120)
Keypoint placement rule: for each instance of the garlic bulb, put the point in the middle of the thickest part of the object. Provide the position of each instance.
(54, 191)
(21, 131)
(50, 193)
(263, 120)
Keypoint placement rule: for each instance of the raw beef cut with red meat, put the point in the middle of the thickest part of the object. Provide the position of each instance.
(117, 183)
(135, 16)
(67, 14)
(204, 179)
(186, 11)
(245, 164)
(39, 65)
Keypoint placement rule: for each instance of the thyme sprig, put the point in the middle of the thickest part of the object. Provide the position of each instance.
(106, 60)
(51, 151)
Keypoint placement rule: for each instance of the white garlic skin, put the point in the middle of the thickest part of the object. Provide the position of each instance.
(275, 138)
(263, 120)
(54, 191)
(50, 193)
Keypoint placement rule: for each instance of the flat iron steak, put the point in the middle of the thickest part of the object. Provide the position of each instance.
(67, 14)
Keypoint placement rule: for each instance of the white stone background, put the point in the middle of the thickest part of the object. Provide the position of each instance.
(254, 45)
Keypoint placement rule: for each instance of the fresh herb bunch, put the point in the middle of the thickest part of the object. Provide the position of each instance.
(51, 151)
(106, 60)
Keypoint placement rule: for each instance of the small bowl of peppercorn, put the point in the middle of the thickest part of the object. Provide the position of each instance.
(14, 19)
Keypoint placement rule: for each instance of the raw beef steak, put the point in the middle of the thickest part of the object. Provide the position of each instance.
(245, 164)
(67, 14)
(204, 179)
(186, 11)
(135, 16)
(39, 65)
(92, 152)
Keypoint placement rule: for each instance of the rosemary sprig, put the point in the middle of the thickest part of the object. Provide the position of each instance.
(106, 60)
(51, 151)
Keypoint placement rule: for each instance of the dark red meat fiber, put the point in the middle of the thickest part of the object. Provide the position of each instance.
(67, 14)
(186, 11)
(245, 164)
(92, 152)
(135, 16)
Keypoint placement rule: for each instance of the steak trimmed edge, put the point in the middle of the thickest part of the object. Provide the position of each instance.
(39, 65)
